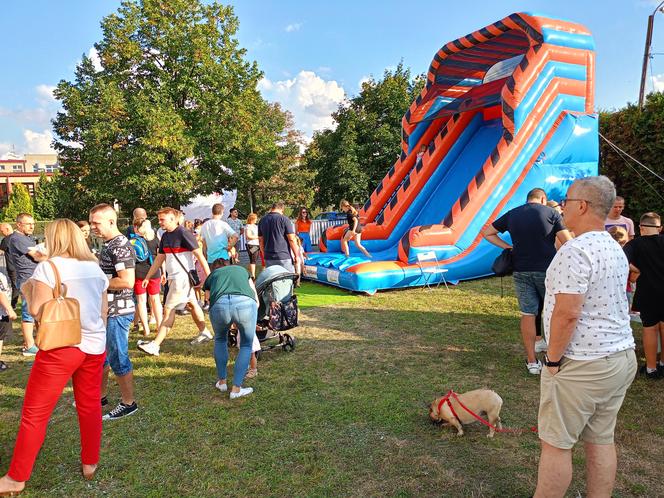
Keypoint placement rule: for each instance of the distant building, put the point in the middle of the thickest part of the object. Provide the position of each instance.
(25, 170)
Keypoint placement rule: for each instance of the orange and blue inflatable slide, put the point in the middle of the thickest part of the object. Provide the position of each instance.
(505, 109)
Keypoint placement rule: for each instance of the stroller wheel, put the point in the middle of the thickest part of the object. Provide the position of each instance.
(232, 340)
(289, 343)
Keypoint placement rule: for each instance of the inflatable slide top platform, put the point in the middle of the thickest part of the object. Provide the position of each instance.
(505, 109)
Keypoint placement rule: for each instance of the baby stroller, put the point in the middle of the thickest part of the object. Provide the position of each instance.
(277, 309)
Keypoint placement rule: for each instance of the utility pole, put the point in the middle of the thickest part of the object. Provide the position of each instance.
(646, 54)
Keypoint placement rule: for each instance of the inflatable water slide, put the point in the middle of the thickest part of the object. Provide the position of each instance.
(505, 109)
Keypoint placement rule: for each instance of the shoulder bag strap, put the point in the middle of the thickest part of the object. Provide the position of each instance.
(57, 293)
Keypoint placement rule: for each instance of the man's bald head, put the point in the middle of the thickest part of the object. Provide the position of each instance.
(6, 229)
(140, 214)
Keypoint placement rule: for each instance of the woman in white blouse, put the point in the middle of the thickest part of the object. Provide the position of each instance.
(83, 364)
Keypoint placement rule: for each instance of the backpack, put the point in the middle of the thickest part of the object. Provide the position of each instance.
(141, 249)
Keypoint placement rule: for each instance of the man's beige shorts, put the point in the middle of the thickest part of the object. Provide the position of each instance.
(583, 399)
(180, 292)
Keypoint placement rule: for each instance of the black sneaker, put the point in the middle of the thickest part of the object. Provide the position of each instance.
(657, 374)
(120, 411)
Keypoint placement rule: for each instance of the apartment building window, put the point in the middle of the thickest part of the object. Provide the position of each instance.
(18, 167)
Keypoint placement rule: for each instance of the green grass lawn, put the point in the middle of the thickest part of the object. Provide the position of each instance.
(345, 414)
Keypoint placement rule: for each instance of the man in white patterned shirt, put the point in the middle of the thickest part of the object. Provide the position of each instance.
(590, 363)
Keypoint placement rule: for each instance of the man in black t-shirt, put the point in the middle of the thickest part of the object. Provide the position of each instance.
(646, 255)
(117, 260)
(534, 228)
(7, 233)
(24, 256)
(277, 239)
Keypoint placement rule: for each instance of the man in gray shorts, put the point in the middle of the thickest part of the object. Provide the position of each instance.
(590, 361)
(534, 228)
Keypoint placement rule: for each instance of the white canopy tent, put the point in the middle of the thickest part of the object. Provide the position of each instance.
(201, 206)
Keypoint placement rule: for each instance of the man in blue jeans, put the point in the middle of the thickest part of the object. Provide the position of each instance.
(117, 260)
(534, 228)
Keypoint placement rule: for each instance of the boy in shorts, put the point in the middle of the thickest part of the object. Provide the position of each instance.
(646, 255)
(7, 314)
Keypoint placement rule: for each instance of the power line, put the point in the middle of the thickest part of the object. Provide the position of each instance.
(622, 154)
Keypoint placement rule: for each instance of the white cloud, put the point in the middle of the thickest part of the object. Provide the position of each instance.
(310, 99)
(5, 149)
(293, 27)
(45, 94)
(658, 83)
(93, 55)
(38, 143)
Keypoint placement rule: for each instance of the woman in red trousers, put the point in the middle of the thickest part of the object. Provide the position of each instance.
(83, 364)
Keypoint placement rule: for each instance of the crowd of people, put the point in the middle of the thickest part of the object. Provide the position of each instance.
(121, 283)
(578, 270)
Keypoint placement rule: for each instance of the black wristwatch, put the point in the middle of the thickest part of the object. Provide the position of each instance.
(549, 363)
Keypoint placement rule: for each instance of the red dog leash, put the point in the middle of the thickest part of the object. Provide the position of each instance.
(452, 394)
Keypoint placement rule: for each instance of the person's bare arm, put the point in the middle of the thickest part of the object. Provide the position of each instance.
(104, 307)
(37, 256)
(124, 280)
(566, 312)
(38, 294)
(563, 236)
(491, 235)
(232, 240)
(204, 249)
(198, 254)
(261, 244)
(292, 241)
(7, 305)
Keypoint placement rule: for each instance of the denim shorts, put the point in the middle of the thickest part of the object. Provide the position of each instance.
(117, 344)
(26, 317)
(530, 289)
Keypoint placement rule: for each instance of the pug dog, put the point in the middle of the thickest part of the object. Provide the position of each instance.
(480, 401)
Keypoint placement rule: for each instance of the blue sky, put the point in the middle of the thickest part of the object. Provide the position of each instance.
(313, 54)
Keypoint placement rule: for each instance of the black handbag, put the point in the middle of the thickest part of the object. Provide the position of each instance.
(503, 265)
(194, 279)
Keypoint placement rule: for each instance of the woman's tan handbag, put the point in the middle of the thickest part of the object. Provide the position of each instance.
(59, 319)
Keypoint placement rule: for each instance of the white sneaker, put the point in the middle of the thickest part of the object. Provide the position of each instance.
(540, 346)
(244, 391)
(534, 368)
(222, 387)
(204, 336)
(150, 348)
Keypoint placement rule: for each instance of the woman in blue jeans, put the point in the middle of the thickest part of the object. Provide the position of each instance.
(233, 299)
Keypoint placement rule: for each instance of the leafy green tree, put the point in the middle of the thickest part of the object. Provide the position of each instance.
(289, 180)
(46, 198)
(172, 113)
(640, 133)
(351, 159)
(19, 202)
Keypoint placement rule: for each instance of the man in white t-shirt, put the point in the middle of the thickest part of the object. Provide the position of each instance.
(217, 235)
(616, 219)
(590, 362)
